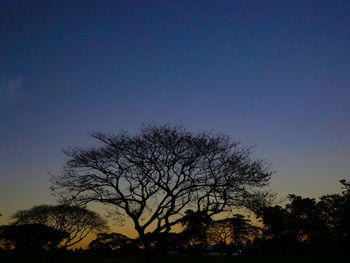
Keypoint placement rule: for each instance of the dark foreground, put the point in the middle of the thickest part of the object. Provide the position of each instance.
(185, 259)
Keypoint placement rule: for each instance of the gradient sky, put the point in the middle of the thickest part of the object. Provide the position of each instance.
(275, 74)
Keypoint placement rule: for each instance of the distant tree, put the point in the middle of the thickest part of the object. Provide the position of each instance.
(305, 221)
(163, 242)
(31, 238)
(100, 248)
(112, 240)
(236, 231)
(220, 232)
(334, 210)
(345, 211)
(76, 221)
(155, 176)
(297, 228)
(242, 230)
(275, 220)
(106, 243)
(195, 226)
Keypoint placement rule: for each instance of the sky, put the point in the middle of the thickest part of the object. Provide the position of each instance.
(274, 74)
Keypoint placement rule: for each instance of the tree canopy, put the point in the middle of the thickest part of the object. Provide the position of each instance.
(78, 222)
(155, 176)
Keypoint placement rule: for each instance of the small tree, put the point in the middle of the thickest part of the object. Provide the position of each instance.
(76, 221)
(155, 176)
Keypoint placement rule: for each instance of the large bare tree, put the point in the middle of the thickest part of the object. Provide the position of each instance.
(155, 176)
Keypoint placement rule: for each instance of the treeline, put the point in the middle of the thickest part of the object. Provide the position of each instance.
(303, 226)
(47, 229)
(306, 226)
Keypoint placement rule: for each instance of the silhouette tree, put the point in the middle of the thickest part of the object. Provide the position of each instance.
(306, 223)
(219, 232)
(334, 210)
(232, 233)
(195, 226)
(106, 243)
(242, 230)
(76, 221)
(345, 211)
(274, 219)
(155, 176)
(297, 228)
(277, 236)
(163, 242)
(31, 239)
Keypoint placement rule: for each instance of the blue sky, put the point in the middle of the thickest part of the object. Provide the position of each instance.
(275, 74)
